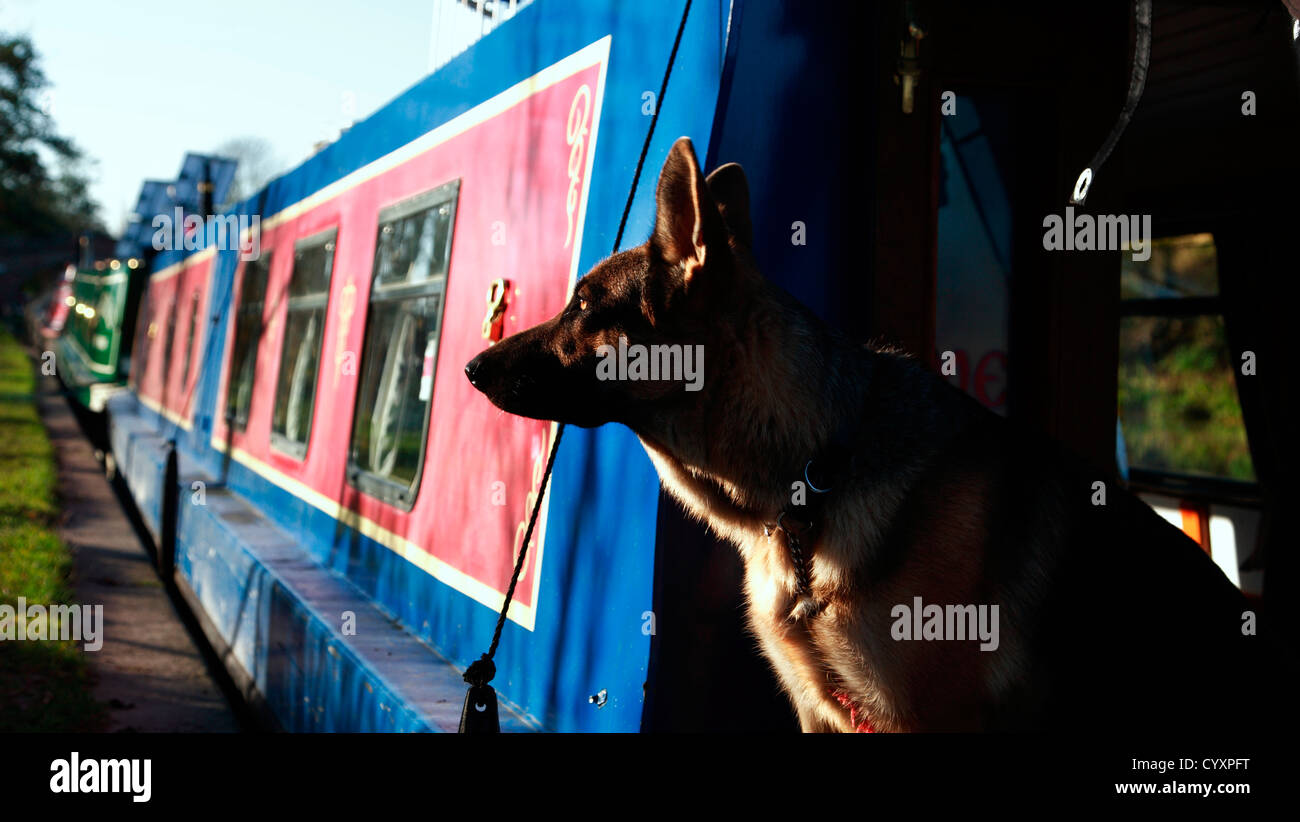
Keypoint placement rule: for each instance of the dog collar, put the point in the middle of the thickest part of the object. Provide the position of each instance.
(798, 519)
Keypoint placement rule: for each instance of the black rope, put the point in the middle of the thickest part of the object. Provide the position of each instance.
(482, 670)
(654, 119)
(1137, 82)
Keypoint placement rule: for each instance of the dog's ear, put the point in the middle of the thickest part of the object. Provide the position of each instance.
(688, 225)
(730, 190)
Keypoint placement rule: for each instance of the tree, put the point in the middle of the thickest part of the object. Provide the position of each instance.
(35, 200)
(257, 166)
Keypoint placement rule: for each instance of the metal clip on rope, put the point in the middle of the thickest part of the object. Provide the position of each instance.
(1137, 82)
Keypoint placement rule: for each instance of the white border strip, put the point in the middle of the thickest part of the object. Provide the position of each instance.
(168, 414)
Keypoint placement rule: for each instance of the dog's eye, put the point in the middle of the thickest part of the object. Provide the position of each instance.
(582, 305)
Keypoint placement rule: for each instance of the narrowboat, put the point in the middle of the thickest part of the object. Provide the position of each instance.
(92, 342)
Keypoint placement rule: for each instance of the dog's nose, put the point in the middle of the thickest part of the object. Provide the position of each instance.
(471, 368)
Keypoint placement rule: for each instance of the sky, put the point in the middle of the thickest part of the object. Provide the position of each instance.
(138, 84)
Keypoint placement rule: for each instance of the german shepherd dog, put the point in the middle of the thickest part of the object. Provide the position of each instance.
(876, 507)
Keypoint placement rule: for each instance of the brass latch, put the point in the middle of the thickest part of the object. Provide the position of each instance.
(909, 59)
(494, 322)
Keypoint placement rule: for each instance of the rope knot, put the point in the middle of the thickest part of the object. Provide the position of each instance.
(481, 671)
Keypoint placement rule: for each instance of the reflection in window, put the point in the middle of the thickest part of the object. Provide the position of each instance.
(1178, 405)
(295, 392)
(1178, 267)
(401, 345)
(974, 250)
(248, 332)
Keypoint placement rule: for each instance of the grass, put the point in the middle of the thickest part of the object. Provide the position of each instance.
(44, 685)
(1178, 398)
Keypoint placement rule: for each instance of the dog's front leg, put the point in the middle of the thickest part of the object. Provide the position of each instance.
(789, 649)
(811, 722)
(818, 713)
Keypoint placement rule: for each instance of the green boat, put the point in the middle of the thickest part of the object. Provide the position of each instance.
(91, 359)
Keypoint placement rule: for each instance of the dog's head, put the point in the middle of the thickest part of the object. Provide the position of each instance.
(632, 338)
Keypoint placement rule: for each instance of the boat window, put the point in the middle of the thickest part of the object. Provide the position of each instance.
(395, 384)
(172, 307)
(144, 334)
(974, 265)
(248, 332)
(189, 340)
(304, 331)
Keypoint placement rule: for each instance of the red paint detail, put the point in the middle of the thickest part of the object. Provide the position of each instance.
(989, 371)
(991, 360)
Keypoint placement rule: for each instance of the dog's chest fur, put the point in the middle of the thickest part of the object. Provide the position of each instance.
(806, 653)
(868, 555)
